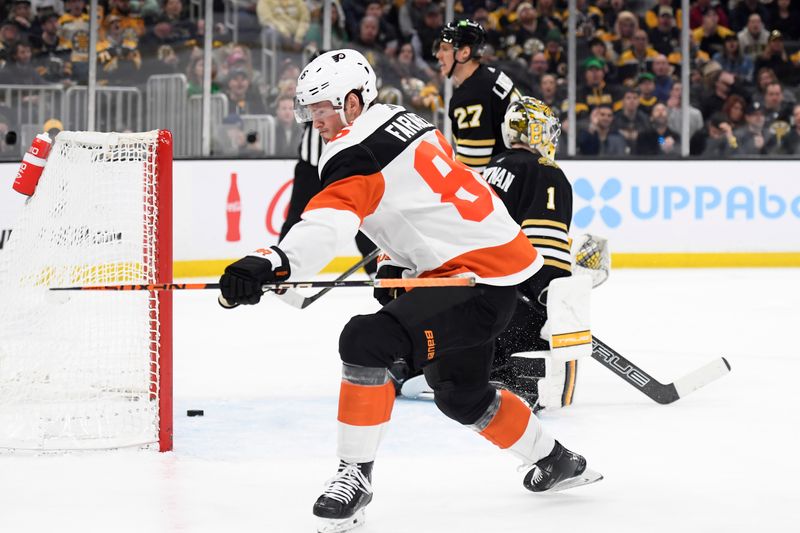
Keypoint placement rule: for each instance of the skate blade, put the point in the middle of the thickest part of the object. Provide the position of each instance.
(588, 477)
(331, 525)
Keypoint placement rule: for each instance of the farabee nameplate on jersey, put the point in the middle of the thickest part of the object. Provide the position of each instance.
(406, 126)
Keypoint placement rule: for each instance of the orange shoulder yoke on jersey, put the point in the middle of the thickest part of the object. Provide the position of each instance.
(359, 194)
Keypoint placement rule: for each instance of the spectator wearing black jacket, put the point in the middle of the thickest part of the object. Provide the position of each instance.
(20, 69)
(776, 58)
(242, 98)
(752, 137)
(630, 119)
(600, 138)
(788, 144)
(741, 13)
(785, 18)
(658, 139)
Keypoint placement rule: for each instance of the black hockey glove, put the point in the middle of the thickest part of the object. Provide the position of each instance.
(384, 296)
(241, 283)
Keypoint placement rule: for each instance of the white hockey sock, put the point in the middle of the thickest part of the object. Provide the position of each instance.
(366, 399)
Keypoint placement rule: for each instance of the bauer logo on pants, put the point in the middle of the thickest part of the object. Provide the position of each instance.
(431, 344)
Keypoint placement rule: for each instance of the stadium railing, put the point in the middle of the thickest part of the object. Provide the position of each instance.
(264, 128)
(117, 108)
(167, 109)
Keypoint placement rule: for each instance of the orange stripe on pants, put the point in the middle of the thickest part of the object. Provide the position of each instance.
(509, 422)
(365, 405)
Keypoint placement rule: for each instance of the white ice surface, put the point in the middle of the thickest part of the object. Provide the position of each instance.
(723, 459)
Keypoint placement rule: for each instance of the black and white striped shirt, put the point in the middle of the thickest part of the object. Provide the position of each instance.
(311, 146)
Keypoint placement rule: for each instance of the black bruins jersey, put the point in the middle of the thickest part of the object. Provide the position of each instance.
(476, 111)
(538, 196)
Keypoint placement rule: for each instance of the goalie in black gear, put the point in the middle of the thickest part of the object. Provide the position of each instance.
(539, 197)
(481, 93)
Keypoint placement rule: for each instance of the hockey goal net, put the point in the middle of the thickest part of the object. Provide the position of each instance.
(85, 369)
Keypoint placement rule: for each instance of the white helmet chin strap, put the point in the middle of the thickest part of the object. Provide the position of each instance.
(344, 103)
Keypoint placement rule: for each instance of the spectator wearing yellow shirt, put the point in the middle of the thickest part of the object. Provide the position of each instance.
(74, 20)
(129, 19)
(290, 18)
(652, 15)
(665, 36)
(637, 59)
(595, 91)
(621, 38)
(711, 35)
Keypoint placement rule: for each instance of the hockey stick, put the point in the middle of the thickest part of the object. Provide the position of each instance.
(647, 384)
(295, 299)
(662, 393)
(379, 283)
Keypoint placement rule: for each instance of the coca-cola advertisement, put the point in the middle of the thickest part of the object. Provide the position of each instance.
(233, 212)
(226, 209)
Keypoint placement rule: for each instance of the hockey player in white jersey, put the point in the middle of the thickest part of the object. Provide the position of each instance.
(393, 175)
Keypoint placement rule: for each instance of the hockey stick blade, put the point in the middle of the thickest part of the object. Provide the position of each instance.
(299, 301)
(663, 393)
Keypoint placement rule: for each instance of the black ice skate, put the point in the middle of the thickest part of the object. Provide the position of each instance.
(341, 506)
(560, 470)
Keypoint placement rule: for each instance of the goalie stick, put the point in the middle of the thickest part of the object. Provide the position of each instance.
(663, 393)
(295, 299)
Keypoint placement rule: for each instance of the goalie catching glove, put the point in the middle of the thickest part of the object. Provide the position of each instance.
(241, 283)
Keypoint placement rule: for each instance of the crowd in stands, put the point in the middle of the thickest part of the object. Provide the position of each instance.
(744, 79)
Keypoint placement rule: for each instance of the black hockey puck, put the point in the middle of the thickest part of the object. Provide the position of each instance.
(194, 412)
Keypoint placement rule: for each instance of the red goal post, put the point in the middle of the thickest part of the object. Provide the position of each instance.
(84, 372)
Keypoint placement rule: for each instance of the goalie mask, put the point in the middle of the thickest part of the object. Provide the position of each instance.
(531, 122)
(331, 77)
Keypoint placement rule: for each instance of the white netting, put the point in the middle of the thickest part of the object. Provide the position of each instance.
(79, 370)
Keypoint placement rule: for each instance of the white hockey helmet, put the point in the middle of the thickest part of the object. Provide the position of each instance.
(530, 121)
(331, 77)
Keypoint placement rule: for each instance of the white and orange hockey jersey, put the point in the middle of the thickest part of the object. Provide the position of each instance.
(393, 175)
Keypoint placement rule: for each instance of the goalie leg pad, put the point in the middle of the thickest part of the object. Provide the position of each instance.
(557, 388)
(568, 318)
(522, 374)
(542, 382)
